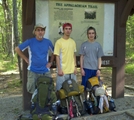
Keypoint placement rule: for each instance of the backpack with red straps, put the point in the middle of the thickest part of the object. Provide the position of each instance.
(71, 98)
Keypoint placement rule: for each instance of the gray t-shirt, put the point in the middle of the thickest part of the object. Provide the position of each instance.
(91, 52)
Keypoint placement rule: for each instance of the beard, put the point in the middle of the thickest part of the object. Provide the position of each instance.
(40, 37)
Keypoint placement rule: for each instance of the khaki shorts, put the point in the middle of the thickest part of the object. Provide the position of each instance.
(61, 79)
(31, 80)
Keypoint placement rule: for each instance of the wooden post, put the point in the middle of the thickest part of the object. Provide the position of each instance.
(27, 5)
(118, 72)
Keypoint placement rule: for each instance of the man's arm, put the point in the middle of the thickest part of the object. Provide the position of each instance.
(99, 63)
(99, 67)
(60, 72)
(21, 54)
(81, 61)
(49, 64)
(52, 58)
(81, 65)
(75, 64)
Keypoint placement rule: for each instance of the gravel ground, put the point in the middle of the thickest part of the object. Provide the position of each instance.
(11, 107)
(11, 104)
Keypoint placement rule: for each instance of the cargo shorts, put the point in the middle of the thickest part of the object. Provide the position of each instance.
(31, 80)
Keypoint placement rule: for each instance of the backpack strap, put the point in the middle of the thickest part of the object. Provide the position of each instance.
(67, 106)
(48, 101)
(77, 109)
(69, 76)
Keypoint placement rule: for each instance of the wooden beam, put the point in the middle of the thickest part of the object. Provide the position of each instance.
(118, 72)
(26, 33)
(126, 12)
(30, 11)
(104, 1)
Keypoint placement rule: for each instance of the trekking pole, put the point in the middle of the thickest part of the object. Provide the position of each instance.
(95, 100)
(82, 102)
(67, 108)
(78, 113)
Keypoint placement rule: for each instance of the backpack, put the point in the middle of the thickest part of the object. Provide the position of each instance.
(98, 96)
(71, 98)
(43, 98)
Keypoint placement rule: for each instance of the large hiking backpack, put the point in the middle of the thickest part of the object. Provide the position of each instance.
(43, 98)
(98, 96)
(71, 98)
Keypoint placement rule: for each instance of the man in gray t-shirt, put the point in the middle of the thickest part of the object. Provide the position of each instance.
(91, 52)
(90, 57)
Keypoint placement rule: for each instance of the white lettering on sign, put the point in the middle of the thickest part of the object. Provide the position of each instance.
(106, 62)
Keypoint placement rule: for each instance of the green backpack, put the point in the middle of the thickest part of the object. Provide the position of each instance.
(43, 99)
(72, 92)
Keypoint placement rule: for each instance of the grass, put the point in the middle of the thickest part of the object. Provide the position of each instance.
(10, 84)
(8, 64)
(129, 69)
(14, 83)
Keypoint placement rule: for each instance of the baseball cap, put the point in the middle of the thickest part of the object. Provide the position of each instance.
(67, 24)
(39, 25)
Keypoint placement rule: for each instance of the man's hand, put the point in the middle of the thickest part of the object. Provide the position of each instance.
(82, 72)
(75, 70)
(98, 73)
(26, 60)
(60, 73)
(49, 65)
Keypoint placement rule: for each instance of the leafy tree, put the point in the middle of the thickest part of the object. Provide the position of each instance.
(8, 27)
(10, 30)
(16, 35)
(130, 37)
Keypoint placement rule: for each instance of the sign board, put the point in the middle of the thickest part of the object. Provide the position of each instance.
(81, 15)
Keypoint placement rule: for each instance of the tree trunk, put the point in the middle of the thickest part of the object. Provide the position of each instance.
(8, 28)
(16, 37)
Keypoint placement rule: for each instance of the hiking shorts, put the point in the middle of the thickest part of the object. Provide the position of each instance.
(88, 74)
(61, 79)
(31, 80)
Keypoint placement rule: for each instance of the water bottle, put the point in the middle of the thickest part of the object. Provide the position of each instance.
(85, 105)
(111, 105)
(90, 107)
(54, 108)
(57, 102)
(32, 107)
(111, 100)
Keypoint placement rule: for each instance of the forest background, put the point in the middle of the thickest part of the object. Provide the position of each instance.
(10, 63)
(11, 36)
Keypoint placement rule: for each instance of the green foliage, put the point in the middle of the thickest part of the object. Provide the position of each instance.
(129, 68)
(130, 33)
(6, 62)
(6, 65)
(6, 22)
